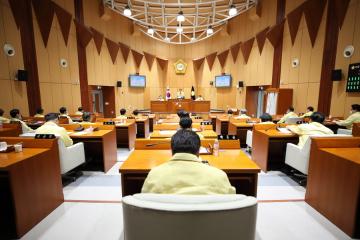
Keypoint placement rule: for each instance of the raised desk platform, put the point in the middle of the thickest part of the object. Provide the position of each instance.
(175, 105)
(242, 172)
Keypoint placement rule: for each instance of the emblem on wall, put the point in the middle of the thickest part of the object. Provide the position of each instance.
(180, 66)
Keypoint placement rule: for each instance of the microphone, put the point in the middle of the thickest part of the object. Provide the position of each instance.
(155, 144)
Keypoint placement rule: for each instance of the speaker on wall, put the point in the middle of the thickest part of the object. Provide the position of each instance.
(336, 75)
(22, 75)
(241, 84)
(119, 84)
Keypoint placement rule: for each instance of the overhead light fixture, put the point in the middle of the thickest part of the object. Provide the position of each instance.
(150, 31)
(180, 17)
(179, 29)
(210, 30)
(232, 10)
(193, 39)
(167, 39)
(127, 11)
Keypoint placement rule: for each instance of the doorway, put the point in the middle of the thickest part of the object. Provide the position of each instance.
(255, 100)
(97, 101)
(103, 100)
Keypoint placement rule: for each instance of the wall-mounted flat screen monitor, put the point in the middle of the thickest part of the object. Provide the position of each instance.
(223, 81)
(138, 81)
(353, 80)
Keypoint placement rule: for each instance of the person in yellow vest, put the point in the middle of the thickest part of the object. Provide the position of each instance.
(16, 117)
(64, 113)
(39, 113)
(122, 114)
(51, 127)
(242, 113)
(80, 111)
(314, 127)
(3, 119)
(310, 111)
(185, 173)
(353, 118)
(290, 113)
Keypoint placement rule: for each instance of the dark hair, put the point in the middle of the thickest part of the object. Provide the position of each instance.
(14, 112)
(122, 111)
(185, 141)
(265, 117)
(183, 114)
(230, 111)
(86, 117)
(355, 107)
(39, 111)
(136, 112)
(80, 109)
(1, 112)
(291, 108)
(310, 108)
(62, 110)
(51, 116)
(317, 117)
(185, 122)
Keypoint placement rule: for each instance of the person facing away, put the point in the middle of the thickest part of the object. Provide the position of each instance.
(2, 118)
(39, 113)
(51, 127)
(242, 113)
(185, 123)
(314, 127)
(266, 118)
(289, 114)
(16, 117)
(182, 114)
(86, 117)
(64, 113)
(353, 118)
(122, 114)
(308, 113)
(80, 111)
(184, 173)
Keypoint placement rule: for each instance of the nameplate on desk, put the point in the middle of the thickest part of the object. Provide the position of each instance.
(109, 123)
(227, 137)
(197, 117)
(205, 123)
(130, 117)
(45, 136)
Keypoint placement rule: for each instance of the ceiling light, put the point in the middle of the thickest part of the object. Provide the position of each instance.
(150, 31)
(167, 39)
(180, 17)
(127, 11)
(179, 29)
(193, 39)
(210, 30)
(232, 10)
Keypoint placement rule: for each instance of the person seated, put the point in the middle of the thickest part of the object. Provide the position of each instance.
(2, 118)
(242, 113)
(16, 117)
(64, 113)
(182, 114)
(266, 118)
(80, 111)
(160, 98)
(185, 173)
(199, 98)
(51, 127)
(180, 94)
(230, 112)
(39, 113)
(122, 114)
(136, 114)
(353, 118)
(185, 123)
(86, 117)
(314, 127)
(289, 114)
(310, 111)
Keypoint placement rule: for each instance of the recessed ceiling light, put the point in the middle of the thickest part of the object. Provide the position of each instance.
(232, 10)
(150, 31)
(127, 11)
(210, 30)
(180, 17)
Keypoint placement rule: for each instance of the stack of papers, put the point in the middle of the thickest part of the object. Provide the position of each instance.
(283, 130)
(167, 132)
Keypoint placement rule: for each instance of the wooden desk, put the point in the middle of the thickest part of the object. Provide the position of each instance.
(222, 125)
(241, 171)
(269, 148)
(356, 130)
(126, 134)
(175, 126)
(170, 133)
(333, 126)
(143, 127)
(151, 122)
(100, 149)
(333, 185)
(10, 130)
(175, 105)
(240, 129)
(30, 186)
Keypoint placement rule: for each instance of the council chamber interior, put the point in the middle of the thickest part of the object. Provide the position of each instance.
(180, 119)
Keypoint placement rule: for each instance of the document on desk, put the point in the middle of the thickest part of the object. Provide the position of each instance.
(167, 132)
(78, 133)
(284, 130)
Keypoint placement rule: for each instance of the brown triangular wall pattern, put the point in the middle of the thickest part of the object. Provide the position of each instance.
(98, 39)
(341, 7)
(64, 19)
(222, 58)
(44, 13)
(137, 58)
(246, 48)
(15, 9)
(261, 38)
(125, 51)
(234, 49)
(198, 62)
(162, 62)
(149, 59)
(211, 59)
(83, 34)
(276, 33)
(313, 11)
(113, 48)
(293, 20)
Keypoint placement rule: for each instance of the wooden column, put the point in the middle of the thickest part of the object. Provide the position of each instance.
(329, 57)
(84, 89)
(280, 15)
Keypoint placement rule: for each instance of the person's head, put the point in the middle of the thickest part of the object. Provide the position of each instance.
(1, 112)
(39, 111)
(63, 110)
(290, 109)
(185, 123)
(182, 114)
(355, 108)
(230, 111)
(310, 109)
(317, 117)
(265, 117)
(52, 117)
(185, 141)
(243, 111)
(80, 109)
(15, 113)
(122, 111)
(86, 117)
(135, 112)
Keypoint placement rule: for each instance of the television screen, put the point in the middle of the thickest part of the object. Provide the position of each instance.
(223, 81)
(137, 81)
(353, 80)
